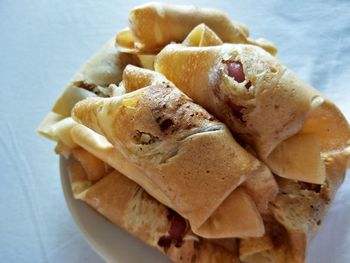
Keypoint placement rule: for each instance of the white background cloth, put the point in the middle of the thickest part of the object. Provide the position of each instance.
(42, 43)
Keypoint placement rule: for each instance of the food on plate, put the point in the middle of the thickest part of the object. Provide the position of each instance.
(197, 140)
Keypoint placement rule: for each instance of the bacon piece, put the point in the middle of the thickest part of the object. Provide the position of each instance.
(176, 232)
(178, 226)
(235, 70)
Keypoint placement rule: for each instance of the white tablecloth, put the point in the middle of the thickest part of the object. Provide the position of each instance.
(42, 43)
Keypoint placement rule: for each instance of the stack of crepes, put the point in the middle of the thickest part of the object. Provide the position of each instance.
(197, 140)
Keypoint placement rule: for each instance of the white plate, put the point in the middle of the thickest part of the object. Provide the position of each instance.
(115, 245)
(108, 240)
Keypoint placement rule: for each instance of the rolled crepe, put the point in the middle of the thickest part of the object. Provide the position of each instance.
(102, 69)
(127, 205)
(261, 187)
(100, 147)
(154, 25)
(261, 101)
(173, 140)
